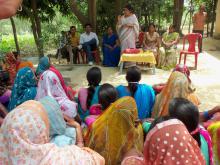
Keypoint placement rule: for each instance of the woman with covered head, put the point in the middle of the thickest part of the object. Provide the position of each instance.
(24, 88)
(142, 93)
(115, 132)
(29, 143)
(178, 85)
(51, 83)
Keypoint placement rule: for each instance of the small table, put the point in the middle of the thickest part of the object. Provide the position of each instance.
(146, 57)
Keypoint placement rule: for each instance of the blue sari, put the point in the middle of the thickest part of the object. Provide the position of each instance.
(144, 97)
(111, 57)
(60, 134)
(82, 113)
(24, 88)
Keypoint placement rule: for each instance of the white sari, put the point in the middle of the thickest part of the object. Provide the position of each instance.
(128, 36)
(49, 85)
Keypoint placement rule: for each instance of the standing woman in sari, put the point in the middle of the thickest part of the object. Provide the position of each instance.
(128, 30)
(167, 53)
(111, 49)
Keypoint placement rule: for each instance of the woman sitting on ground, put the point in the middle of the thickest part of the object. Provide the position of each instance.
(51, 84)
(185, 111)
(152, 40)
(5, 88)
(111, 49)
(115, 132)
(143, 94)
(61, 133)
(88, 97)
(177, 86)
(24, 88)
(167, 53)
(30, 142)
(107, 94)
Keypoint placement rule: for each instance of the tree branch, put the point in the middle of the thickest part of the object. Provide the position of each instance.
(81, 17)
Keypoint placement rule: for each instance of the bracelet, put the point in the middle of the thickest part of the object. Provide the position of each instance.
(206, 115)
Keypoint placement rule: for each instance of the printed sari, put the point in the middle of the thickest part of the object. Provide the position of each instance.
(29, 143)
(167, 55)
(50, 85)
(114, 133)
(111, 57)
(169, 142)
(60, 134)
(10, 66)
(144, 98)
(178, 85)
(24, 88)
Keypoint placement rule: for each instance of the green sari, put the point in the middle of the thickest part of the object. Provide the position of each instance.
(167, 55)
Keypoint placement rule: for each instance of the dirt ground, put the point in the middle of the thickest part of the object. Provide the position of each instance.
(206, 78)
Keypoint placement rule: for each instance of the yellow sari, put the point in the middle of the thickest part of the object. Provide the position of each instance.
(114, 133)
(177, 86)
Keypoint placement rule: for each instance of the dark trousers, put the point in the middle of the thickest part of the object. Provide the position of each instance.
(88, 47)
(200, 32)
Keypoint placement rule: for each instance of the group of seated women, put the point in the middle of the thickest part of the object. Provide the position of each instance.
(48, 124)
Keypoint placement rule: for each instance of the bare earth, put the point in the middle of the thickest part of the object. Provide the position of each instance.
(206, 78)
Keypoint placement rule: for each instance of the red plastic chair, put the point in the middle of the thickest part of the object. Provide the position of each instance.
(192, 39)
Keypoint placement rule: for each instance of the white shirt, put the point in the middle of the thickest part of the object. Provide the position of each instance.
(87, 37)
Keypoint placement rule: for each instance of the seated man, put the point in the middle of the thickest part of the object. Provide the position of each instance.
(73, 44)
(89, 42)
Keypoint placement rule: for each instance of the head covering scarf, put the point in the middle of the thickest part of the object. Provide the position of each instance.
(44, 64)
(114, 133)
(169, 142)
(177, 86)
(183, 69)
(29, 143)
(25, 88)
(59, 133)
(49, 85)
(24, 64)
(10, 66)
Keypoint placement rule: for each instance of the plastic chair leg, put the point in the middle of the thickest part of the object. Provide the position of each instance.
(196, 61)
(180, 58)
(185, 59)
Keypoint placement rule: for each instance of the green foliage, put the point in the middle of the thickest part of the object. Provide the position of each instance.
(26, 43)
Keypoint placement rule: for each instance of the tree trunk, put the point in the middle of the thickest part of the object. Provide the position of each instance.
(37, 29)
(81, 17)
(15, 34)
(178, 13)
(213, 17)
(92, 13)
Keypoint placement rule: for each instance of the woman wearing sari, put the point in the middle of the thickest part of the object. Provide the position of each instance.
(185, 111)
(51, 84)
(61, 134)
(115, 133)
(88, 97)
(178, 85)
(128, 30)
(152, 40)
(30, 142)
(24, 88)
(142, 93)
(111, 49)
(10, 66)
(5, 92)
(169, 142)
(167, 53)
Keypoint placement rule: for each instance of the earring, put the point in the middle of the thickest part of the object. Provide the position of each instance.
(20, 8)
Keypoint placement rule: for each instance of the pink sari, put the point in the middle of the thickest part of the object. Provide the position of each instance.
(68, 90)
